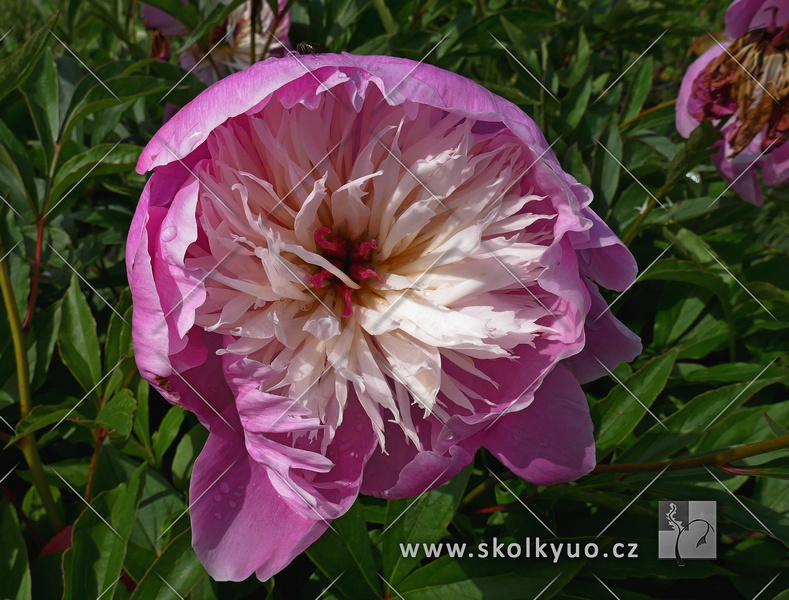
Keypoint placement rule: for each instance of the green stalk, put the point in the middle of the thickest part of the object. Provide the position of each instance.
(717, 459)
(28, 443)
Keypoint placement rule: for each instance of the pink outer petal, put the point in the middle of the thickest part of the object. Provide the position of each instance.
(404, 472)
(607, 340)
(744, 15)
(685, 122)
(551, 441)
(155, 18)
(240, 524)
(602, 256)
(775, 165)
(398, 78)
(743, 177)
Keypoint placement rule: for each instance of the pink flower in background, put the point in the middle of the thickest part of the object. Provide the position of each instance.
(356, 271)
(743, 84)
(233, 53)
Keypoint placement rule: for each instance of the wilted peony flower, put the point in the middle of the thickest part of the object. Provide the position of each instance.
(743, 83)
(233, 53)
(356, 271)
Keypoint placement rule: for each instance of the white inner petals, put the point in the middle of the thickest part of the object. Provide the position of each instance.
(456, 244)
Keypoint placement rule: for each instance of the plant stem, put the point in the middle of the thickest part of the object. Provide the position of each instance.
(717, 459)
(28, 443)
(647, 112)
(631, 233)
(94, 461)
(31, 305)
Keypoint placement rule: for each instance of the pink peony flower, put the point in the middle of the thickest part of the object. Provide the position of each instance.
(235, 34)
(356, 271)
(743, 83)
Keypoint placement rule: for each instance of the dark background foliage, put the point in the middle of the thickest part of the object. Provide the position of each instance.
(599, 77)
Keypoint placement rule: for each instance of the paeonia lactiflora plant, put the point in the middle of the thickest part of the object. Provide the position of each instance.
(356, 271)
(743, 84)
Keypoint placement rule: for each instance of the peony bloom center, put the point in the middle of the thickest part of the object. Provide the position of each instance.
(353, 258)
(750, 82)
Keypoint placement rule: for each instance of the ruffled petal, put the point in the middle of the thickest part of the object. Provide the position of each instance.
(552, 440)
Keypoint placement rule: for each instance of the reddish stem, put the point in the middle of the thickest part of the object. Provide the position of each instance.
(31, 305)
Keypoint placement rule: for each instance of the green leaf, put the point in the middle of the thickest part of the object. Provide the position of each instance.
(17, 67)
(686, 272)
(40, 89)
(167, 432)
(15, 580)
(99, 160)
(688, 423)
(118, 345)
(677, 309)
(575, 103)
(77, 339)
(44, 331)
(348, 551)
(117, 415)
(416, 522)
(777, 429)
(185, 454)
(15, 161)
(639, 89)
(696, 151)
(619, 412)
(41, 416)
(609, 179)
(216, 17)
(176, 568)
(480, 579)
(122, 90)
(94, 562)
